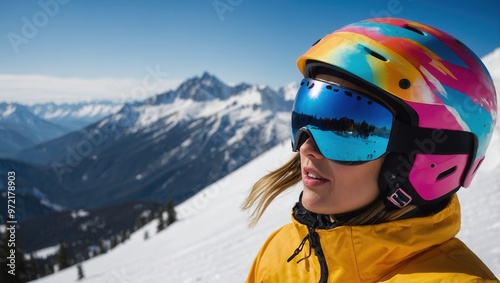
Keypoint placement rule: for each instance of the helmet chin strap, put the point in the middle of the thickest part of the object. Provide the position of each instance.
(395, 188)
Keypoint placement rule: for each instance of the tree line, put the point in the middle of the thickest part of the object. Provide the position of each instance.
(343, 126)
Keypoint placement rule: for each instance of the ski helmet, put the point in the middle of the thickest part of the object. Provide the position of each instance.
(441, 94)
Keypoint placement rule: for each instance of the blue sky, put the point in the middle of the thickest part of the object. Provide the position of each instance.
(70, 50)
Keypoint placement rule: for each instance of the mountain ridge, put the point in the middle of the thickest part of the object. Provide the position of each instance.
(168, 146)
(20, 128)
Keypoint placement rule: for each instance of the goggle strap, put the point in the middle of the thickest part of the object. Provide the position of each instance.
(408, 139)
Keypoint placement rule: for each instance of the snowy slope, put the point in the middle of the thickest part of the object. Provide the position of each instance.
(492, 62)
(210, 242)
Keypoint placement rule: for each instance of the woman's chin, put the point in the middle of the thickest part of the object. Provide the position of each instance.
(315, 203)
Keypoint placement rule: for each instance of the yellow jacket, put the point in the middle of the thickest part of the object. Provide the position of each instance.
(412, 250)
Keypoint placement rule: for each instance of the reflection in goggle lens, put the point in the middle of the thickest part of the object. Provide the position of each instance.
(346, 126)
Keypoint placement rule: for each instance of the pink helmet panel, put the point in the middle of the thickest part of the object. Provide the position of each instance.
(433, 176)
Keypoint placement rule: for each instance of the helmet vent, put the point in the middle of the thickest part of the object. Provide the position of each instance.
(404, 83)
(446, 173)
(414, 29)
(375, 54)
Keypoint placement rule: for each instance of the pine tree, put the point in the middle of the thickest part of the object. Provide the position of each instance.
(48, 269)
(80, 271)
(122, 236)
(161, 222)
(149, 216)
(102, 247)
(62, 256)
(114, 242)
(139, 223)
(172, 215)
(33, 266)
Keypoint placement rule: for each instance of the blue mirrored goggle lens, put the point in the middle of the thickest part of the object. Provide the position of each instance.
(346, 126)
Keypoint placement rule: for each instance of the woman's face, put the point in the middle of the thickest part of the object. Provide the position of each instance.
(333, 188)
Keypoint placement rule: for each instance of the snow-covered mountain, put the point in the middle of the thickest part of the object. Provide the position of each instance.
(169, 146)
(75, 116)
(20, 128)
(23, 126)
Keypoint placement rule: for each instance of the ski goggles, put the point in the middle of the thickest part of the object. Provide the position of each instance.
(346, 126)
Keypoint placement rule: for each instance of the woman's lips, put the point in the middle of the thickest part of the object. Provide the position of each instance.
(311, 177)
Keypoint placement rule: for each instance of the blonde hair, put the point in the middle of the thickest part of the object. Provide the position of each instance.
(267, 188)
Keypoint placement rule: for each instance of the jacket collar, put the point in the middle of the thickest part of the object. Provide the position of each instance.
(370, 251)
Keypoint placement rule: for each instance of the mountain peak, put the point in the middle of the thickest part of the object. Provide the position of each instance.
(204, 88)
(14, 112)
(211, 81)
(206, 76)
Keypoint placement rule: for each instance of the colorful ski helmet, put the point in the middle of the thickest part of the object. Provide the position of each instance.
(442, 96)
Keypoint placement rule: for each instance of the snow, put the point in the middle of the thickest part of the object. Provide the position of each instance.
(79, 213)
(10, 109)
(186, 143)
(83, 110)
(492, 61)
(43, 253)
(290, 90)
(211, 241)
(51, 205)
(77, 110)
(188, 109)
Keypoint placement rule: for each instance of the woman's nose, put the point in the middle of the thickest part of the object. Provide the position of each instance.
(308, 148)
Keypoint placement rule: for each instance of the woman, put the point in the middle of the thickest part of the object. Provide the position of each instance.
(391, 119)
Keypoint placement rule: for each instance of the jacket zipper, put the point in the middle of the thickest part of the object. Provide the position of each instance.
(314, 243)
(312, 223)
(318, 251)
